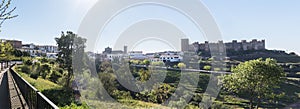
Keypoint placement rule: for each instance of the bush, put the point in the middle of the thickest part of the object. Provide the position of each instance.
(54, 76)
(34, 75)
(44, 60)
(217, 105)
(74, 106)
(25, 69)
(181, 65)
(121, 94)
(60, 97)
(28, 62)
(45, 69)
(207, 67)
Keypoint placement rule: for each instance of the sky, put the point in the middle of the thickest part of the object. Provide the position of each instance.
(276, 21)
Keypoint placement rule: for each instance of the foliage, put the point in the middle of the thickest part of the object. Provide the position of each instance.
(6, 50)
(121, 94)
(135, 62)
(25, 69)
(18, 53)
(144, 75)
(159, 93)
(158, 63)
(257, 78)
(106, 67)
(40, 84)
(207, 67)
(146, 62)
(34, 75)
(74, 106)
(109, 81)
(70, 46)
(181, 65)
(59, 96)
(27, 62)
(54, 76)
(45, 69)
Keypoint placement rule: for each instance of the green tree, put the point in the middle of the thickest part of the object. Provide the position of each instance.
(181, 65)
(159, 94)
(144, 75)
(146, 62)
(109, 81)
(135, 62)
(45, 70)
(106, 67)
(163, 92)
(256, 78)
(71, 54)
(159, 63)
(6, 51)
(207, 67)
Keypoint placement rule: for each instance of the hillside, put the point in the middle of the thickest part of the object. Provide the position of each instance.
(280, 56)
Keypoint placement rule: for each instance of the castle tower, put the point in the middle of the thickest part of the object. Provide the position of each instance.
(263, 44)
(125, 49)
(254, 44)
(206, 44)
(184, 45)
(235, 45)
(245, 45)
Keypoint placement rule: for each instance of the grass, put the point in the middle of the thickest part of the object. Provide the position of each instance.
(63, 97)
(40, 84)
(136, 104)
(56, 93)
(125, 104)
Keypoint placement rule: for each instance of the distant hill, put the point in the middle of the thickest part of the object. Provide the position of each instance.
(280, 56)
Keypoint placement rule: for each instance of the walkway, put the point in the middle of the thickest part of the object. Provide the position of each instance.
(4, 94)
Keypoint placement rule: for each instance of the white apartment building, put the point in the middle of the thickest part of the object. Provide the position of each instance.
(170, 58)
(137, 55)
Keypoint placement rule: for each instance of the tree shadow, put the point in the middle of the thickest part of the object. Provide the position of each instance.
(60, 96)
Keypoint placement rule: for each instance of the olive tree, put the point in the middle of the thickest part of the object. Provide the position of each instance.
(257, 78)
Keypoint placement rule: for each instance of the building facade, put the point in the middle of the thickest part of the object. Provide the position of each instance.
(48, 48)
(16, 44)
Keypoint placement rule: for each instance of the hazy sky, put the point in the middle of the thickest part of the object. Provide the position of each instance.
(276, 21)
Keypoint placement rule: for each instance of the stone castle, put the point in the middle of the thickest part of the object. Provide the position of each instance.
(221, 47)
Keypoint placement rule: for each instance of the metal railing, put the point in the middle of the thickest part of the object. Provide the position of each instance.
(34, 98)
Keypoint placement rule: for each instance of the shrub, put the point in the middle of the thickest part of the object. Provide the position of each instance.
(181, 65)
(34, 75)
(44, 60)
(25, 69)
(207, 67)
(28, 62)
(45, 69)
(52, 62)
(121, 94)
(54, 76)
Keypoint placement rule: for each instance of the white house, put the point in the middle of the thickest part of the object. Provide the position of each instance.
(170, 58)
(137, 55)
